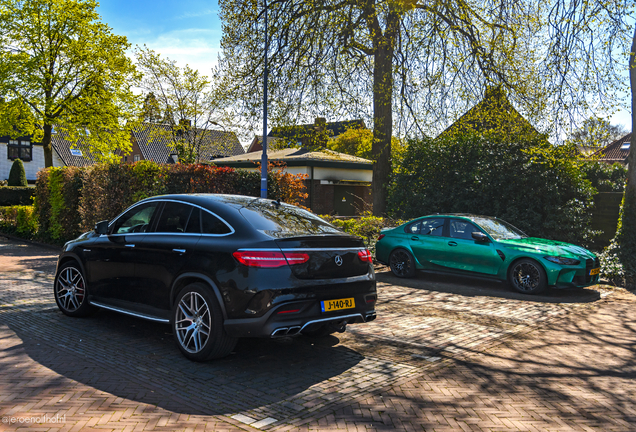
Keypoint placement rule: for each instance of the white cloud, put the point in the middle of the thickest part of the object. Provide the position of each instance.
(198, 48)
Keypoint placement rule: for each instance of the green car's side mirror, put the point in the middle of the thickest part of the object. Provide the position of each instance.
(101, 227)
(479, 236)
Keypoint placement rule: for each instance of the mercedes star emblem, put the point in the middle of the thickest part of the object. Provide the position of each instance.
(338, 260)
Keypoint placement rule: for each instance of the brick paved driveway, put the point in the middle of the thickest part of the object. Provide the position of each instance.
(444, 354)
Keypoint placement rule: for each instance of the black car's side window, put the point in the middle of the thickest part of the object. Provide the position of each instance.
(461, 229)
(206, 223)
(174, 218)
(136, 220)
(210, 224)
(434, 227)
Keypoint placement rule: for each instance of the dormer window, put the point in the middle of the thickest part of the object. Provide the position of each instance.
(20, 149)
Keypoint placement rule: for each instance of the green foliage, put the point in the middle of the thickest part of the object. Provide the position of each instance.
(595, 133)
(65, 68)
(524, 180)
(358, 142)
(368, 227)
(17, 176)
(20, 220)
(605, 177)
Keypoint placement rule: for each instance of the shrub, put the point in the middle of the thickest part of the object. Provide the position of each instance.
(368, 227)
(524, 180)
(17, 176)
(605, 177)
(21, 220)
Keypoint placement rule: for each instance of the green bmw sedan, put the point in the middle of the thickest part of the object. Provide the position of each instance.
(485, 246)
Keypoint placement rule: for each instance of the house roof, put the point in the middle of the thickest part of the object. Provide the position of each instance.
(336, 128)
(493, 113)
(154, 141)
(616, 151)
(72, 153)
(257, 143)
(299, 157)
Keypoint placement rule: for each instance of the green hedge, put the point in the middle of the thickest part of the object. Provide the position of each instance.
(526, 181)
(16, 195)
(71, 200)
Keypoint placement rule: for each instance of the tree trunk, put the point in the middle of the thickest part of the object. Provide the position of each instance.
(626, 236)
(48, 147)
(382, 125)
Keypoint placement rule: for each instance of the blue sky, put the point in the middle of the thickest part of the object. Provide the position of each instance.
(188, 31)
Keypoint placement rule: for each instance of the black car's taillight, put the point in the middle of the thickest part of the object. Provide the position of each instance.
(269, 259)
(365, 255)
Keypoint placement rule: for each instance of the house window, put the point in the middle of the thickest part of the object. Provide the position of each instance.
(136, 158)
(625, 146)
(76, 152)
(19, 149)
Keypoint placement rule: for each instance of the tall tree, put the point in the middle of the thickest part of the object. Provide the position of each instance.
(187, 98)
(626, 232)
(65, 68)
(595, 133)
(417, 65)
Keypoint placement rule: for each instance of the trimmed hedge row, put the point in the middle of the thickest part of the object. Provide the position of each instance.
(20, 220)
(16, 195)
(71, 200)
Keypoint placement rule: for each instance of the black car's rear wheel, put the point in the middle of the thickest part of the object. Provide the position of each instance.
(70, 290)
(528, 277)
(198, 325)
(402, 263)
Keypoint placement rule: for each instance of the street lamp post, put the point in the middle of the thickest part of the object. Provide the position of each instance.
(264, 156)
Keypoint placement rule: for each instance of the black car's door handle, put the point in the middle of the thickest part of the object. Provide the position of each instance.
(130, 245)
(181, 251)
(415, 238)
(452, 243)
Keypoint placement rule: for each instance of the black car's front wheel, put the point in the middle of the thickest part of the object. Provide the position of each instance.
(528, 277)
(402, 263)
(70, 292)
(198, 325)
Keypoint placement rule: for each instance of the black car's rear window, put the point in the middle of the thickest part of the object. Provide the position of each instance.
(283, 220)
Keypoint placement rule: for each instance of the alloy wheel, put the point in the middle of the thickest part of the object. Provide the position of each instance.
(193, 322)
(400, 263)
(526, 276)
(70, 289)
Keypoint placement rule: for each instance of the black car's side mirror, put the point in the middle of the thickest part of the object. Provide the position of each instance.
(479, 236)
(101, 227)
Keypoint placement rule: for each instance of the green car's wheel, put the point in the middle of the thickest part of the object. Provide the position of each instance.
(402, 263)
(528, 277)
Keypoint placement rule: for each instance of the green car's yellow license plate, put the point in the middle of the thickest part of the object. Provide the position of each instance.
(334, 305)
(595, 271)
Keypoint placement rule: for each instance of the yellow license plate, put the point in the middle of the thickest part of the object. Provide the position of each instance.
(334, 305)
(595, 271)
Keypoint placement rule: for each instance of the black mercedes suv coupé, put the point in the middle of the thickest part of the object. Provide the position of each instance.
(220, 267)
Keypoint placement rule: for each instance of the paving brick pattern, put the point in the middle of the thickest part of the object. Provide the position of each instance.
(433, 360)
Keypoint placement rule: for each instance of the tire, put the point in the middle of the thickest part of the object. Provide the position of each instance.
(197, 325)
(527, 276)
(70, 290)
(402, 263)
